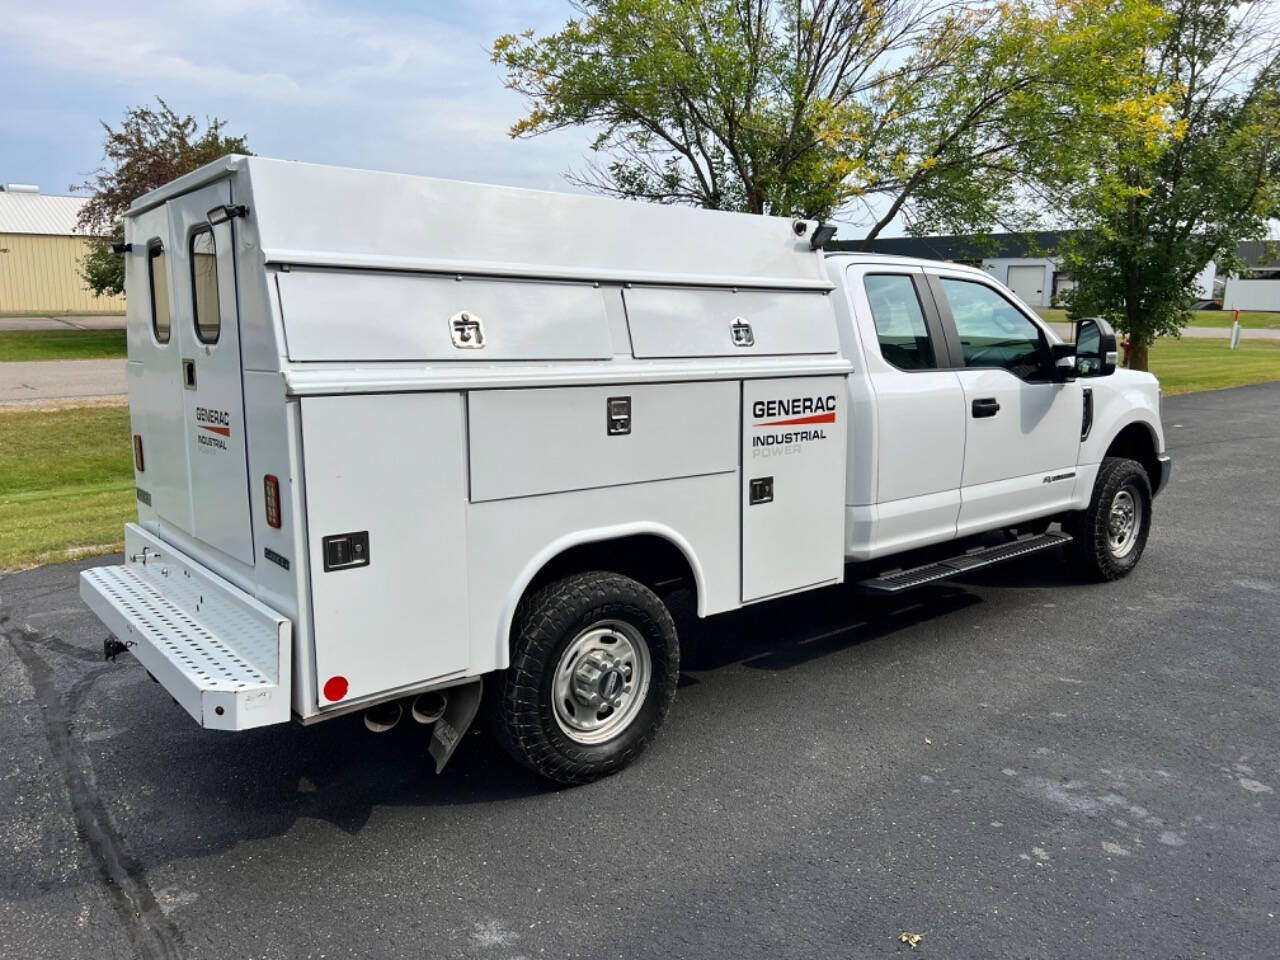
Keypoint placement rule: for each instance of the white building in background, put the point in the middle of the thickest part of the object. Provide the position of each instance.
(1028, 265)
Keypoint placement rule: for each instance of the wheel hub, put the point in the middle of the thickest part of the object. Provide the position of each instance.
(601, 681)
(1123, 522)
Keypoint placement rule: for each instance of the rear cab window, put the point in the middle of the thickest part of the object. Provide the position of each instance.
(204, 285)
(993, 332)
(899, 321)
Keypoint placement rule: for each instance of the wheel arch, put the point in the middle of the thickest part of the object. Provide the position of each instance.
(1137, 440)
(651, 553)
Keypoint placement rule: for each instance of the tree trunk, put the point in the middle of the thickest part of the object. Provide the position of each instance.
(1138, 347)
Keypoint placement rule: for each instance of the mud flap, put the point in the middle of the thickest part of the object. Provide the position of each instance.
(449, 730)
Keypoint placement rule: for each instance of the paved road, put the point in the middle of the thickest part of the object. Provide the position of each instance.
(41, 381)
(96, 321)
(1103, 779)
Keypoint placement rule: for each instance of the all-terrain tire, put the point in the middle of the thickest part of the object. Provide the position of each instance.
(1098, 549)
(522, 713)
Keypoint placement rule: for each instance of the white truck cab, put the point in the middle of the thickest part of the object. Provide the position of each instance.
(393, 435)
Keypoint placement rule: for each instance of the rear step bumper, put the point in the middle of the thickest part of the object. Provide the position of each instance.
(974, 560)
(225, 657)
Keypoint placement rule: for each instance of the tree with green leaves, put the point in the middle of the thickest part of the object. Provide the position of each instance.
(152, 146)
(948, 116)
(1157, 212)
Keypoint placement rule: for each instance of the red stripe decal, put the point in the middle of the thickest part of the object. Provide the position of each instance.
(224, 431)
(797, 421)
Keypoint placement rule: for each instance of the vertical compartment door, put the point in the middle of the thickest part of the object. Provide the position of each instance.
(793, 470)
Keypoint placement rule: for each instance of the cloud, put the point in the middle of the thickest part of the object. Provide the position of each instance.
(376, 85)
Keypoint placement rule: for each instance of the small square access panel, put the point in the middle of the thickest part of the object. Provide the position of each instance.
(345, 550)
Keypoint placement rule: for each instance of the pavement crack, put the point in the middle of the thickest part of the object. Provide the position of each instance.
(153, 935)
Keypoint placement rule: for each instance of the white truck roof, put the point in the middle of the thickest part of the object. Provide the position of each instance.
(312, 215)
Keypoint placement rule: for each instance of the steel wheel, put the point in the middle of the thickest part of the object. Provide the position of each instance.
(601, 681)
(1124, 520)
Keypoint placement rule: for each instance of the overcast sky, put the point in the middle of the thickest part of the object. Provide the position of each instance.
(388, 85)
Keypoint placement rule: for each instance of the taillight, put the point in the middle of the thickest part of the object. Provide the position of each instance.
(138, 462)
(271, 486)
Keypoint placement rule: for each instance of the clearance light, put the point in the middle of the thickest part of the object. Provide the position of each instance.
(138, 462)
(272, 487)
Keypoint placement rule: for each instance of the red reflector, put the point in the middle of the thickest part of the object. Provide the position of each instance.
(138, 462)
(272, 487)
(335, 688)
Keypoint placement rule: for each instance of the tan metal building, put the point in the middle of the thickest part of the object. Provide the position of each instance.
(40, 254)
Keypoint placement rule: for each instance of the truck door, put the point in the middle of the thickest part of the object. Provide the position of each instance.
(908, 494)
(1023, 430)
(207, 332)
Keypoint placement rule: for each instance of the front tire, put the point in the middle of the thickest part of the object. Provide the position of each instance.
(594, 666)
(1109, 536)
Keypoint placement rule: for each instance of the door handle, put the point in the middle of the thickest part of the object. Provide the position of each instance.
(985, 407)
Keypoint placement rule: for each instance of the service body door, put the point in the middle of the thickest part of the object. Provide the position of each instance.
(154, 374)
(1023, 430)
(207, 331)
(793, 450)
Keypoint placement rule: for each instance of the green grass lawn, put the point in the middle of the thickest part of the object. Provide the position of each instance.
(66, 483)
(60, 344)
(1249, 319)
(1191, 364)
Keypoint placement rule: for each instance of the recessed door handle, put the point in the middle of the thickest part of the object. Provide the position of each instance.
(986, 407)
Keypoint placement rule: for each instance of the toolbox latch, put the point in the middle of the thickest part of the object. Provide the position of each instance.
(618, 416)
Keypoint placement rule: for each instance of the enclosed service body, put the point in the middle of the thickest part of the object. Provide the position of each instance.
(447, 386)
(381, 421)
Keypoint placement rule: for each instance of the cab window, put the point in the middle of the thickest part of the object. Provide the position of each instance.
(993, 332)
(900, 327)
(204, 286)
(158, 280)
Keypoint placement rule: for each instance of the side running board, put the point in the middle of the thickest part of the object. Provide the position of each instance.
(897, 581)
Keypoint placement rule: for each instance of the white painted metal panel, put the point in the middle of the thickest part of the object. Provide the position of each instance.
(1034, 435)
(793, 434)
(310, 214)
(214, 408)
(392, 466)
(681, 322)
(353, 315)
(527, 442)
(155, 388)
(509, 541)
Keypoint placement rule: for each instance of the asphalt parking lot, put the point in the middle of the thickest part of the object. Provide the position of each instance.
(1012, 765)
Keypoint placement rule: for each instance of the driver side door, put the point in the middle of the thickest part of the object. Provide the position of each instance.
(1022, 429)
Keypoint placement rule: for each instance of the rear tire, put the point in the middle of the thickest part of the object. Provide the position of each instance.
(1109, 536)
(594, 666)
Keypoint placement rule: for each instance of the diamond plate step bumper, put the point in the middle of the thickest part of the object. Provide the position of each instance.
(224, 656)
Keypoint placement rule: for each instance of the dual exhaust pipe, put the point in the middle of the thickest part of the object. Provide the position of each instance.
(425, 709)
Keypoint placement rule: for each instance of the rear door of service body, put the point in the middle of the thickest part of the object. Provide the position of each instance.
(209, 389)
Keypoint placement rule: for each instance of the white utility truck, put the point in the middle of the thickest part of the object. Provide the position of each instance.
(393, 434)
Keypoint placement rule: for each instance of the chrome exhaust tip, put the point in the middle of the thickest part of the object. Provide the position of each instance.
(384, 716)
(429, 707)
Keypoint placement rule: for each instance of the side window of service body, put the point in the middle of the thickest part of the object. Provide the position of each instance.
(993, 332)
(899, 321)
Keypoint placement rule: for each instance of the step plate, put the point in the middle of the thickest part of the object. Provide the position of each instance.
(965, 563)
(221, 654)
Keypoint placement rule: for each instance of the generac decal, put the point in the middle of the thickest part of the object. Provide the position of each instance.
(215, 421)
(795, 411)
(809, 412)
